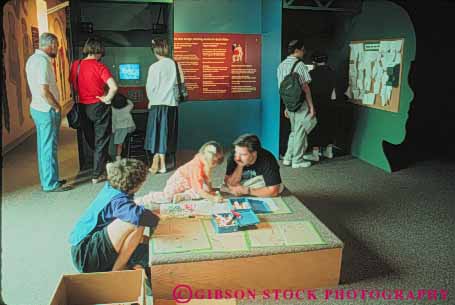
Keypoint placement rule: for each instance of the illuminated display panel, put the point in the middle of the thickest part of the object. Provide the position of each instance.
(129, 71)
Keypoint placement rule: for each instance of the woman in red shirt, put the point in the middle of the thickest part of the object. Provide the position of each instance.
(89, 78)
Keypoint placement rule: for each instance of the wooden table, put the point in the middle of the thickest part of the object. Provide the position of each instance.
(253, 265)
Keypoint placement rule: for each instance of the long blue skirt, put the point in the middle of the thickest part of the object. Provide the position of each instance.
(162, 129)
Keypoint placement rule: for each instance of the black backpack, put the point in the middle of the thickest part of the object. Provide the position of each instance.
(291, 90)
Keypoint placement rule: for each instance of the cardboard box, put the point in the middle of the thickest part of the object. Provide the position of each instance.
(116, 287)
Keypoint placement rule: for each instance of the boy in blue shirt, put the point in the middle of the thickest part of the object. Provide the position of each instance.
(108, 235)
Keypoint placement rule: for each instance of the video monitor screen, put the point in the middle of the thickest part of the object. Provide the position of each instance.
(129, 71)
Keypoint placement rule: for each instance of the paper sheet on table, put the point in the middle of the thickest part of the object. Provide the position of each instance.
(193, 208)
(276, 204)
(271, 203)
(234, 241)
(284, 233)
(179, 235)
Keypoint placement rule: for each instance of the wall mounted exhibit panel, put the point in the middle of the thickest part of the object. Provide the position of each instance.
(220, 66)
(375, 73)
(222, 120)
(373, 127)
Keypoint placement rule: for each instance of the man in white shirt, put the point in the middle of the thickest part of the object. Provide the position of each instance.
(46, 111)
(303, 120)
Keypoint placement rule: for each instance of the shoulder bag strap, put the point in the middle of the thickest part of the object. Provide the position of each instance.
(179, 79)
(76, 92)
(295, 65)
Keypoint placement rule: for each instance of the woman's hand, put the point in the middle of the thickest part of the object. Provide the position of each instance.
(105, 99)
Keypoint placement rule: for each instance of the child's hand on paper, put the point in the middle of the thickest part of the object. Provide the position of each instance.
(217, 198)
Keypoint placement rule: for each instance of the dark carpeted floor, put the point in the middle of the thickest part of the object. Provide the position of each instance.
(398, 228)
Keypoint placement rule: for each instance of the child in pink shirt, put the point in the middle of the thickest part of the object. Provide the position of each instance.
(192, 180)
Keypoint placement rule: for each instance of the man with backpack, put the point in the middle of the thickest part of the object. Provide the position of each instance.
(293, 80)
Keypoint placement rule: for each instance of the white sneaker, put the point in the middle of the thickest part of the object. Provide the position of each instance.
(286, 163)
(100, 178)
(328, 151)
(162, 171)
(302, 164)
(311, 157)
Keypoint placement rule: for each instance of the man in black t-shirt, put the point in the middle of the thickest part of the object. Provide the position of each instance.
(252, 170)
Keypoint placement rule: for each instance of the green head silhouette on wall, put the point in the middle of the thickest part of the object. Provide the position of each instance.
(382, 19)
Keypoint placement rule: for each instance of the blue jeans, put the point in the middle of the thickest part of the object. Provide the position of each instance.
(47, 130)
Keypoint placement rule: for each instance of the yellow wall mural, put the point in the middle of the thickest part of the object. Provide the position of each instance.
(57, 26)
(20, 19)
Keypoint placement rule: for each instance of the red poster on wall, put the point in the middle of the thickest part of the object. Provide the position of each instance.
(220, 66)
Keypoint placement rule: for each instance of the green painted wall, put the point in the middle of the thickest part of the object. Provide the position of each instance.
(271, 58)
(382, 19)
(220, 120)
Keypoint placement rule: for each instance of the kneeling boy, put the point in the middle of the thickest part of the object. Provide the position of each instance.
(107, 236)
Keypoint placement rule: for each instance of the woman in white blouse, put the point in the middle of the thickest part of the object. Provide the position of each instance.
(162, 122)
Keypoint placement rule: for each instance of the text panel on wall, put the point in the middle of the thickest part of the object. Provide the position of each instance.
(220, 66)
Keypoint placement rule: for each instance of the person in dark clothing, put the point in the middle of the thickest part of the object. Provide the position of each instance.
(89, 77)
(252, 170)
(323, 92)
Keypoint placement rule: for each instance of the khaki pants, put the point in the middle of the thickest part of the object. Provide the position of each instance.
(301, 126)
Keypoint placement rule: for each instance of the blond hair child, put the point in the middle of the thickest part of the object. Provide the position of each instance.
(192, 180)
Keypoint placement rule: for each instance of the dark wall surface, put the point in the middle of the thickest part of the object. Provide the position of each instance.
(430, 127)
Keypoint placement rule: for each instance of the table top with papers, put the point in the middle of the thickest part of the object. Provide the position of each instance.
(185, 232)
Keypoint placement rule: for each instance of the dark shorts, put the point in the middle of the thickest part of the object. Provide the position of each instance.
(95, 253)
